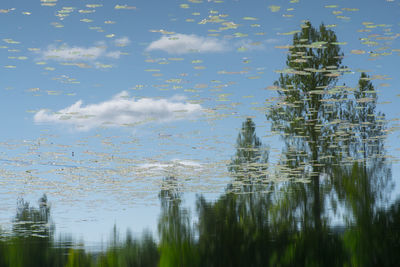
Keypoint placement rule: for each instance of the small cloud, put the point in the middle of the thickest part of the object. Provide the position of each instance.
(180, 168)
(272, 41)
(250, 45)
(114, 54)
(65, 52)
(247, 44)
(187, 43)
(74, 53)
(124, 41)
(120, 110)
(177, 163)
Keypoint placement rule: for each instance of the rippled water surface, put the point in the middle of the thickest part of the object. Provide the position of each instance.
(199, 133)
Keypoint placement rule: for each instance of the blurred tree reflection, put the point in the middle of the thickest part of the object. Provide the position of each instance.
(132, 252)
(177, 246)
(304, 118)
(332, 141)
(31, 242)
(30, 221)
(32, 235)
(370, 125)
(249, 165)
(232, 234)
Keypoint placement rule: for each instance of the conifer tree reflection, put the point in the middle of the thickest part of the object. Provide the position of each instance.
(330, 137)
(304, 119)
(174, 227)
(30, 221)
(365, 184)
(32, 241)
(249, 165)
(369, 130)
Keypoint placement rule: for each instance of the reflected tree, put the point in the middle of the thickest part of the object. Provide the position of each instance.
(370, 125)
(3, 249)
(140, 253)
(249, 165)
(366, 183)
(356, 192)
(305, 116)
(367, 149)
(315, 118)
(372, 235)
(305, 119)
(132, 252)
(30, 221)
(32, 241)
(230, 234)
(177, 247)
(336, 138)
(233, 230)
(386, 237)
(249, 168)
(78, 257)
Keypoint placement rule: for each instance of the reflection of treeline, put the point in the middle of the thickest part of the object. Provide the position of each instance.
(31, 242)
(228, 233)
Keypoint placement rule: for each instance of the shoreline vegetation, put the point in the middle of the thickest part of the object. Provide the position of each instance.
(227, 234)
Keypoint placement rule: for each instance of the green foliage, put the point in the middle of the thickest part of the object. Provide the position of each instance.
(376, 240)
(233, 234)
(327, 131)
(307, 122)
(370, 125)
(303, 117)
(249, 165)
(30, 221)
(140, 253)
(78, 257)
(176, 246)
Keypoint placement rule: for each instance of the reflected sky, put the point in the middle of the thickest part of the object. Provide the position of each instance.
(102, 100)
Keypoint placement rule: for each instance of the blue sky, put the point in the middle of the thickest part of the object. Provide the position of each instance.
(100, 98)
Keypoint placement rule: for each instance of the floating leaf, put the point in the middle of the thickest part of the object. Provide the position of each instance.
(274, 8)
(357, 52)
(249, 18)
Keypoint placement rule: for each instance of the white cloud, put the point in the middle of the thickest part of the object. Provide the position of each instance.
(124, 41)
(250, 45)
(121, 110)
(185, 43)
(173, 164)
(272, 41)
(65, 52)
(176, 168)
(114, 54)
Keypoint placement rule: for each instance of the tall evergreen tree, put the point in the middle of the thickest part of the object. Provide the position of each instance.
(176, 233)
(249, 165)
(304, 117)
(370, 124)
(311, 109)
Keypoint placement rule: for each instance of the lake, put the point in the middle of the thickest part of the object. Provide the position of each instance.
(199, 133)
